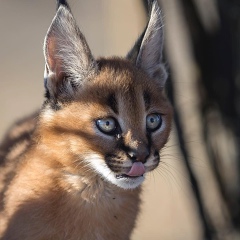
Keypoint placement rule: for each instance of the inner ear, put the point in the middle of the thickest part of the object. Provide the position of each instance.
(147, 52)
(54, 63)
(69, 61)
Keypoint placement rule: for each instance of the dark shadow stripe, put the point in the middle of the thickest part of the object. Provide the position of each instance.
(147, 100)
(112, 103)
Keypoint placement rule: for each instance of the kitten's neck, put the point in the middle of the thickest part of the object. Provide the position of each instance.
(94, 189)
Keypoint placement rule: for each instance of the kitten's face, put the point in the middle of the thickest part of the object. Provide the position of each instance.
(113, 117)
(116, 125)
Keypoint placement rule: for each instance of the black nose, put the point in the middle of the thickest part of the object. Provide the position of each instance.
(138, 155)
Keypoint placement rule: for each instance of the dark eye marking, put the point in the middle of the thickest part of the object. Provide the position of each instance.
(112, 103)
(147, 100)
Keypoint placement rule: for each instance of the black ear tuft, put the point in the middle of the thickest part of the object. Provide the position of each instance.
(62, 2)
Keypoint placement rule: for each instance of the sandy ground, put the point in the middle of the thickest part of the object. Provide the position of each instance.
(111, 27)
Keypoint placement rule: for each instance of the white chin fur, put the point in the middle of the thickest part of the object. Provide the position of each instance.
(99, 165)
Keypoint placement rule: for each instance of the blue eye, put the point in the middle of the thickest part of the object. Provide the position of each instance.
(153, 121)
(106, 125)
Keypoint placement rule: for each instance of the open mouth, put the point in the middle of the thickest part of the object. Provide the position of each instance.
(137, 170)
(127, 176)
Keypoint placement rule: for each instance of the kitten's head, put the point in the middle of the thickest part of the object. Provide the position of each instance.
(106, 117)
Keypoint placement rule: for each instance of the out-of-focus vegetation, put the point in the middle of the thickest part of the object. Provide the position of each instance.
(203, 50)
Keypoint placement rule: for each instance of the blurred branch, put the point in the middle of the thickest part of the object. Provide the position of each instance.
(216, 51)
(207, 226)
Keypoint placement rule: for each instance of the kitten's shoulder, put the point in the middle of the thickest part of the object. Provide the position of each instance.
(14, 145)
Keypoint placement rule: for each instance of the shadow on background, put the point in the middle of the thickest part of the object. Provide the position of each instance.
(206, 56)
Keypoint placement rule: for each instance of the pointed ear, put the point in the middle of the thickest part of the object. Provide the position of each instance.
(147, 51)
(69, 61)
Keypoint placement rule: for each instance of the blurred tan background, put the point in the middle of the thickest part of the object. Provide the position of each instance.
(111, 28)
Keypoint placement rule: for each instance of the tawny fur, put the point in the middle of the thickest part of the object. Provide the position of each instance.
(55, 182)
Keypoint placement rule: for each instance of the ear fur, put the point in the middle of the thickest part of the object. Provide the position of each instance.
(147, 51)
(69, 61)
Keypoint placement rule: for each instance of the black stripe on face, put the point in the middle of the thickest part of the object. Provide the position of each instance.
(147, 100)
(112, 103)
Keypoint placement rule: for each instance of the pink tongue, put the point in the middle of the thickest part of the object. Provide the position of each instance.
(137, 169)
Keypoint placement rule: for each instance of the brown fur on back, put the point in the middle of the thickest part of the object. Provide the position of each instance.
(16, 142)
